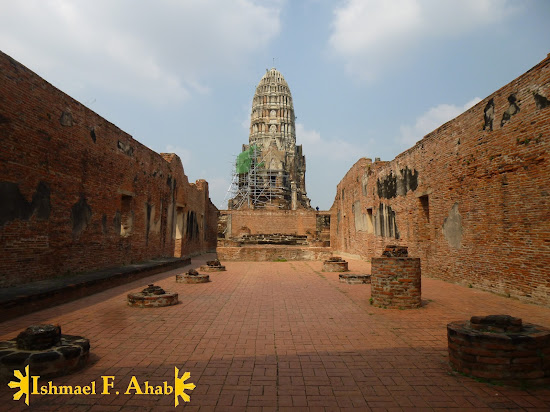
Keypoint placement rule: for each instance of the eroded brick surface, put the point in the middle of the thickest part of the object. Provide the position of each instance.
(470, 199)
(79, 194)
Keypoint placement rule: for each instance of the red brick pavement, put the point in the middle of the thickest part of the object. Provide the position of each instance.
(278, 336)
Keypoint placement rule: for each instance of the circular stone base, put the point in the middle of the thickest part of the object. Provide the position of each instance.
(139, 300)
(206, 268)
(512, 358)
(70, 354)
(185, 278)
(329, 266)
(354, 279)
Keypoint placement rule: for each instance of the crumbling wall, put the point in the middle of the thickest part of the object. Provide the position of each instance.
(79, 194)
(261, 221)
(471, 199)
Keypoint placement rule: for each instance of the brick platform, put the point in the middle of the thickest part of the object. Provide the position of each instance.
(45, 350)
(396, 283)
(19, 300)
(278, 336)
(152, 297)
(187, 278)
(212, 266)
(335, 264)
(270, 253)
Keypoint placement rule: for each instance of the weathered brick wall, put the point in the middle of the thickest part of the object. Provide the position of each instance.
(471, 199)
(291, 222)
(270, 253)
(78, 194)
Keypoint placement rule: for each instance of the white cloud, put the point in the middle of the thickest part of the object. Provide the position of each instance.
(431, 120)
(161, 51)
(369, 34)
(327, 161)
(319, 149)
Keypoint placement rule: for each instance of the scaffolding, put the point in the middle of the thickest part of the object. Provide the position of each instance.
(255, 185)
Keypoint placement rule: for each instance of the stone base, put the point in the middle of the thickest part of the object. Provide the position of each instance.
(329, 266)
(352, 279)
(185, 278)
(206, 268)
(396, 283)
(513, 358)
(272, 253)
(140, 300)
(70, 354)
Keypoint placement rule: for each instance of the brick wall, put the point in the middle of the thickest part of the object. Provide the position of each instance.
(471, 199)
(272, 253)
(78, 194)
(291, 222)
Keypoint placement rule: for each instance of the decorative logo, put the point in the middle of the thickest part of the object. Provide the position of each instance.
(180, 386)
(28, 385)
(23, 385)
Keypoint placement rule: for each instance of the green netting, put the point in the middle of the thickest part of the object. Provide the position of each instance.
(244, 160)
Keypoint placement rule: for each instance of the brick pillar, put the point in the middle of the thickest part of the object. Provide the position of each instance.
(396, 282)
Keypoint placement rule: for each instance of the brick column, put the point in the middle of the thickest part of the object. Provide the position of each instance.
(396, 282)
(500, 348)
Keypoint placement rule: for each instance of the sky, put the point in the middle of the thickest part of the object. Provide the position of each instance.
(368, 78)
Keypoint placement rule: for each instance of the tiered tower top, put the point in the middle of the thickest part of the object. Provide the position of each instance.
(272, 118)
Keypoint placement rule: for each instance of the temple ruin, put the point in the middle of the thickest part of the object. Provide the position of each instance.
(270, 171)
(470, 199)
(78, 195)
(85, 207)
(269, 215)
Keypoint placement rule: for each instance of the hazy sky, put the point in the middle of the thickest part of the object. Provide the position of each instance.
(368, 78)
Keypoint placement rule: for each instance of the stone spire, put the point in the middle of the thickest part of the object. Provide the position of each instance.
(276, 177)
(272, 119)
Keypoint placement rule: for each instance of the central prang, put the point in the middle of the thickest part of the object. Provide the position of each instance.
(270, 171)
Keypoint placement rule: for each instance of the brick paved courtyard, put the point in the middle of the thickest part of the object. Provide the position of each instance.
(278, 336)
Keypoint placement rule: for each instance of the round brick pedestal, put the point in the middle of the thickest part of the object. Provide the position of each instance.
(335, 264)
(152, 297)
(396, 283)
(187, 278)
(207, 268)
(500, 348)
(213, 266)
(47, 352)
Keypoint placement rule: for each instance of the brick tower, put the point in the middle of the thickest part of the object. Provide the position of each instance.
(270, 171)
